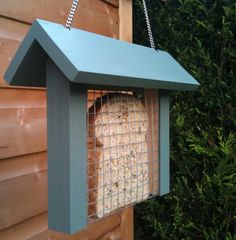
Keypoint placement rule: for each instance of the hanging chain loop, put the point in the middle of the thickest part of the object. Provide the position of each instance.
(148, 25)
(75, 3)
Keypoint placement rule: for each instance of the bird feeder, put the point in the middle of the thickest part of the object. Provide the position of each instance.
(108, 119)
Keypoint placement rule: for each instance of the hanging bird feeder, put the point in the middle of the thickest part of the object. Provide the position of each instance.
(108, 119)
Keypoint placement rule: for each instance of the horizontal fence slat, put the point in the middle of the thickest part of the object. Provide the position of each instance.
(21, 98)
(24, 191)
(11, 35)
(21, 165)
(23, 131)
(92, 15)
(114, 3)
(92, 232)
(26, 229)
(114, 234)
(22, 198)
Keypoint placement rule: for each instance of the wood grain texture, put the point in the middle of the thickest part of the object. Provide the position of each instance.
(125, 20)
(23, 122)
(26, 229)
(126, 34)
(22, 198)
(92, 15)
(18, 166)
(23, 131)
(93, 232)
(11, 35)
(114, 234)
(127, 224)
(35, 228)
(21, 98)
(114, 3)
(151, 104)
(24, 191)
(109, 228)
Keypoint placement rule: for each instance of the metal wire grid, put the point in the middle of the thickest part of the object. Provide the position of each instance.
(122, 150)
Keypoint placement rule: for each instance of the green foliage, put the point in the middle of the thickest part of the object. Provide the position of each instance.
(201, 35)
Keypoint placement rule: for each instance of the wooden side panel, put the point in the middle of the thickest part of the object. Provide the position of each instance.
(92, 232)
(21, 98)
(11, 34)
(114, 234)
(22, 131)
(26, 229)
(18, 166)
(23, 160)
(95, 16)
(22, 197)
(127, 225)
(125, 20)
(23, 122)
(118, 226)
(114, 3)
(126, 34)
(151, 105)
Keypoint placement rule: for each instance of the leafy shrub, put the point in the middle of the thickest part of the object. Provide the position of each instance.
(201, 35)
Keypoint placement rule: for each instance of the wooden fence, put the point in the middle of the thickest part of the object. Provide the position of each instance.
(23, 145)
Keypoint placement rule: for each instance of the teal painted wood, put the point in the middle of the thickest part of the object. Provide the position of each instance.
(67, 152)
(164, 143)
(93, 59)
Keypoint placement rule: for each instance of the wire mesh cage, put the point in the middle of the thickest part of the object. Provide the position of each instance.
(122, 133)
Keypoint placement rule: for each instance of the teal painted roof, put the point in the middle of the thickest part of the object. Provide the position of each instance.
(93, 59)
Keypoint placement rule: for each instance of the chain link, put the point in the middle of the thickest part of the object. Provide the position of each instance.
(75, 3)
(148, 25)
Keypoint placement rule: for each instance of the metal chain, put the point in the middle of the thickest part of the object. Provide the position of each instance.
(75, 3)
(148, 25)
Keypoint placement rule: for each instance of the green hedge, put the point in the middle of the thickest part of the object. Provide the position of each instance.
(201, 35)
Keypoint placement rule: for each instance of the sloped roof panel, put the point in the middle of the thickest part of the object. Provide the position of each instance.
(93, 59)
